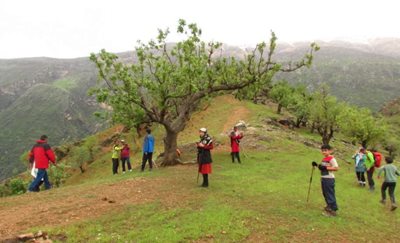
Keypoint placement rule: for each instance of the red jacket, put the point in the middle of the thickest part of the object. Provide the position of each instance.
(41, 154)
(125, 152)
(235, 142)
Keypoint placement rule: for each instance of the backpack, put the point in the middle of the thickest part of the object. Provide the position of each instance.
(378, 159)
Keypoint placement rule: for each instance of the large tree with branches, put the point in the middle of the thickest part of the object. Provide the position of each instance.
(165, 83)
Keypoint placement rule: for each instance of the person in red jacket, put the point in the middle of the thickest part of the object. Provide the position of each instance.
(41, 153)
(125, 156)
(235, 141)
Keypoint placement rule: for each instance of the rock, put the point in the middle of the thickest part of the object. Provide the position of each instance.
(26, 237)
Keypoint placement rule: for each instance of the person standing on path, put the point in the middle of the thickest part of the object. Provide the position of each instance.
(148, 149)
(125, 156)
(204, 155)
(115, 157)
(235, 144)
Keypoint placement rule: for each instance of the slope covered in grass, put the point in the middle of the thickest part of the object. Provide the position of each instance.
(261, 200)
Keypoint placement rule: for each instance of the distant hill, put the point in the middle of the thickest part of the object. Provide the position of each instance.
(47, 95)
(43, 96)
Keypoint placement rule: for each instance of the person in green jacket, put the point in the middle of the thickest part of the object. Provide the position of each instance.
(391, 174)
(370, 165)
(115, 156)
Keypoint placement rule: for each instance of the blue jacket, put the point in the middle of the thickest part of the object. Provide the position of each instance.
(148, 144)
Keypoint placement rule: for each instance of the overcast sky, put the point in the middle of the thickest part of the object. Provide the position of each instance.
(74, 28)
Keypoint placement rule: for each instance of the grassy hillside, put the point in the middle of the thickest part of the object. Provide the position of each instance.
(261, 200)
(362, 74)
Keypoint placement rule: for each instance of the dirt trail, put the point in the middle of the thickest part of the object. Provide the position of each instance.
(71, 204)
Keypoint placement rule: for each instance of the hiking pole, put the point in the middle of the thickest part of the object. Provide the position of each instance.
(309, 187)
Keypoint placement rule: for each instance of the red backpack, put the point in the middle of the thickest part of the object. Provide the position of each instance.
(378, 159)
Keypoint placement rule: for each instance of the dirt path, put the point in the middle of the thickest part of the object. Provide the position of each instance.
(67, 205)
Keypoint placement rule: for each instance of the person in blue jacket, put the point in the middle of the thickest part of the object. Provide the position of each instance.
(148, 149)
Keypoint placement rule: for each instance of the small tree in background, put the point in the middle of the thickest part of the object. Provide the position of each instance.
(282, 94)
(166, 82)
(360, 125)
(324, 113)
(300, 105)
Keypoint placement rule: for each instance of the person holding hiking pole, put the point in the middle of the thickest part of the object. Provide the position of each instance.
(235, 141)
(327, 167)
(41, 154)
(204, 155)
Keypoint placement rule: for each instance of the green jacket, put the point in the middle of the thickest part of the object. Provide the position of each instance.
(370, 161)
(116, 152)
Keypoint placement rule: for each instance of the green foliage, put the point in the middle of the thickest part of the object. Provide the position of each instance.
(300, 105)
(17, 186)
(360, 125)
(324, 113)
(57, 174)
(168, 82)
(282, 94)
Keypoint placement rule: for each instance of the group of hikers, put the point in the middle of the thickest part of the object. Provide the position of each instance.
(121, 151)
(365, 162)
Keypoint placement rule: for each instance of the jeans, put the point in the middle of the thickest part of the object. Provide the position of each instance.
(128, 161)
(370, 178)
(42, 174)
(115, 164)
(235, 154)
(147, 157)
(391, 186)
(328, 190)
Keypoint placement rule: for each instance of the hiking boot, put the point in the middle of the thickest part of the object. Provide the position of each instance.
(394, 206)
(382, 201)
(329, 213)
(327, 209)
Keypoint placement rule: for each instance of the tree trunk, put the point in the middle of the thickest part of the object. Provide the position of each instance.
(170, 156)
(279, 109)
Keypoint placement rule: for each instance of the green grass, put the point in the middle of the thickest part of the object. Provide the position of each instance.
(155, 223)
(264, 196)
(65, 84)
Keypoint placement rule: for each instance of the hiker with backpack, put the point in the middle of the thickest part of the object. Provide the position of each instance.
(390, 172)
(40, 155)
(148, 149)
(125, 156)
(359, 160)
(115, 156)
(235, 137)
(204, 155)
(370, 166)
